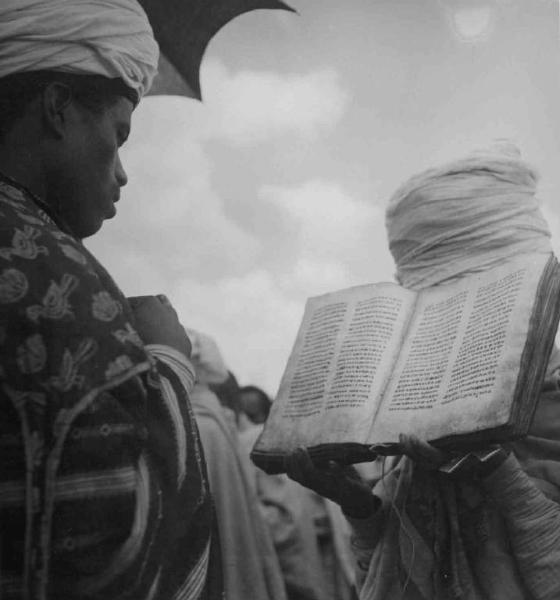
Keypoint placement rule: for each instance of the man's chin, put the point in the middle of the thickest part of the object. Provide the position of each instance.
(112, 211)
(95, 226)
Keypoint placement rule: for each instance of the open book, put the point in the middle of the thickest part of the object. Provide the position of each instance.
(460, 364)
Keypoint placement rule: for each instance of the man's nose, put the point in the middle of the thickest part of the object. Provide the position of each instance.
(120, 173)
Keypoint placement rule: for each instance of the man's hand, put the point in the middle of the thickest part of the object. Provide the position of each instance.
(156, 322)
(468, 465)
(342, 485)
(422, 453)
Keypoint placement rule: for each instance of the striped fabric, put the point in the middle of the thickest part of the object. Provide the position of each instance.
(496, 538)
(103, 487)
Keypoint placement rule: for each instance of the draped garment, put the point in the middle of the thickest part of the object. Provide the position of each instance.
(250, 564)
(103, 485)
(495, 539)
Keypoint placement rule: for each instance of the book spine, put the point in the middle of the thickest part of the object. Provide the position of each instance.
(388, 379)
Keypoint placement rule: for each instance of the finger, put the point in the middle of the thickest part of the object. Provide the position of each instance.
(307, 474)
(136, 301)
(164, 300)
(420, 451)
(297, 465)
(308, 469)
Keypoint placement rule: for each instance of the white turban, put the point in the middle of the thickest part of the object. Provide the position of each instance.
(465, 217)
(207, 359)
(85, 37)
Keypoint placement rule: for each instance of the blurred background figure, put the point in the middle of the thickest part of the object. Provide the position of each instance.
(227, 392)
(310, 534)
(254, 403)
(250, 565)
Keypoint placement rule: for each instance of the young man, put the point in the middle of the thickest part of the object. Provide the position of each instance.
(103, 486)
(492, 533)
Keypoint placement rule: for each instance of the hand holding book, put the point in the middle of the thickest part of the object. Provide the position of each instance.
(343, 484)
(472, 465)
(340, 483)
(460, 365)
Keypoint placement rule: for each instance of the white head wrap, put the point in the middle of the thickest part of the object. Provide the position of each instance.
(207, 359)
(91, 37)
(465, 217)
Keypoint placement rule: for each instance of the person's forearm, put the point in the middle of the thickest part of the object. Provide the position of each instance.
(533, 524)
(365, 535)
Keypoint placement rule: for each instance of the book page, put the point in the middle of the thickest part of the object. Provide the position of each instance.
(458, 371)
(344, 351)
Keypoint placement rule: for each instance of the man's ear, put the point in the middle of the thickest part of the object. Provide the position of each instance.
(57, 97)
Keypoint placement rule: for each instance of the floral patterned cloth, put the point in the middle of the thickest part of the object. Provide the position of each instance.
(103, 490)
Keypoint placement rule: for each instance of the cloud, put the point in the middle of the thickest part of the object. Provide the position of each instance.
(171, 212)
(333, 233)
(174, 235)
(249, 107)
(329, 219)
(252, 320)
(473, 23)
(318, 277)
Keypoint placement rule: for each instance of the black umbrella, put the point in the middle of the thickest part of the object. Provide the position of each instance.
(183, 29)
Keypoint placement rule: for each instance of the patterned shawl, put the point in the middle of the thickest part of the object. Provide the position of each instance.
(115, 501)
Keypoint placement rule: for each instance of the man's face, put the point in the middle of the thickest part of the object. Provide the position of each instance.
(89, 179)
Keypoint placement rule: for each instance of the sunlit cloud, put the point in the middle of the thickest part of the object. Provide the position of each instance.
(252, 320)
(472, 20)
(328, 218)
(319, 277)
(172, 213)
(252, 106)
(473, 24)
(271, 190)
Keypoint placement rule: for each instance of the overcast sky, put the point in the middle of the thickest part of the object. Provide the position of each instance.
(274, 188)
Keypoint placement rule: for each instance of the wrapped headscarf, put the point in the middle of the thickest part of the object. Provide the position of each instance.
(112, 38)
(207, 359)
(465, 217)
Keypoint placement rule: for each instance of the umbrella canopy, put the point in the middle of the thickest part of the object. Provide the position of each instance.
(183, 29)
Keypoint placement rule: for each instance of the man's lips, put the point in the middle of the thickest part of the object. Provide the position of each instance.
(112, 210)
